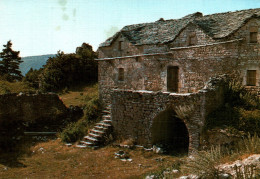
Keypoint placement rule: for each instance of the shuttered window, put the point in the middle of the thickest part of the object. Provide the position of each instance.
(253, 34)
(120, 43)
(251, 77)
(120, 74)
(192, 39)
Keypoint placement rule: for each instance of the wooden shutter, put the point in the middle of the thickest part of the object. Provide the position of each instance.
(251, 77)
(253, 34)
(172, 78)
(120, 74)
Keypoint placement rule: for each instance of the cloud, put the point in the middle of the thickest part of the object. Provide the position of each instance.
(63, 2)
(111, 31)
(65, 17)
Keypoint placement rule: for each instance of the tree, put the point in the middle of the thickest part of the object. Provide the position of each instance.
(9, 65)
(32, 77)
(67, 70)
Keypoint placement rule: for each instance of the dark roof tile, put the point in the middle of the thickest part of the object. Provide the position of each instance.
(218, 25)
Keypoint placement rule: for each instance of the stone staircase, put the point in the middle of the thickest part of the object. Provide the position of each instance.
(97, 135)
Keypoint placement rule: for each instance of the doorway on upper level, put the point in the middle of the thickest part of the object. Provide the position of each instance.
(172, 78)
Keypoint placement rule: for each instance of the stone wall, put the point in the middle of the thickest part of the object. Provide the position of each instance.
(31, 108)
(196, 66)
(133, 112)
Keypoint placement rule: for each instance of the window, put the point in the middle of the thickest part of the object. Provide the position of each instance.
(251, 78)
(192, 39)
(120, 74)
(120, 43)
(253, 34)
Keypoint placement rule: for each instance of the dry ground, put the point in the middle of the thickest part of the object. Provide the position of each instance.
(52, 159)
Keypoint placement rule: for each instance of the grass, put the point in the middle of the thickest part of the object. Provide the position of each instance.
(14, 87)
(78, 96)
(204, 163)
(53, 159)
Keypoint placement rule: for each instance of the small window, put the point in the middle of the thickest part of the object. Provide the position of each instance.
(120, 74)
(192, 39)
(251, 78)
(253, 34)
(120, 43)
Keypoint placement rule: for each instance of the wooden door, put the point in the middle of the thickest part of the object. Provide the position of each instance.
(172, 78)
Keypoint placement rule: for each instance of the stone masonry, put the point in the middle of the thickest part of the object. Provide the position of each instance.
(143, 64)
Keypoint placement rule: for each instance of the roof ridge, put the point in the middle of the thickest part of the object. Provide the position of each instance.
(217, 25)
(228, 12)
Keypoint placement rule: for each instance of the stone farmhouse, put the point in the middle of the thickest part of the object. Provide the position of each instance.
(150, 71)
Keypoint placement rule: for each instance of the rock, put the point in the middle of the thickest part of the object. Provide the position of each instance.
(253, 160)
(189, 177)
(150, 177)
(121, 154)
(224, 176)
(175, 171)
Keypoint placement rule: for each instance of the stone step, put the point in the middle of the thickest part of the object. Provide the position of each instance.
(106, 112)
(94, 135)
(103, 124)
(106, 116)
(107, 121)
(81, 146)
(100, 127)
(87, 143)
(107, 125)
(97, 131)
(90, 138)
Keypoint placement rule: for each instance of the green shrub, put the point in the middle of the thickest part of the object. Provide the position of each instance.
(249, 120)
(92, 110)
(14, 87)
(241, 110)
(73, 132)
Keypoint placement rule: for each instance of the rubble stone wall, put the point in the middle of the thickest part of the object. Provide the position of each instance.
(30, 107)
(133, 112)
(196, 66)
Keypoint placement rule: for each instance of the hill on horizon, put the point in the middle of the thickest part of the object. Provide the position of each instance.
(35, 62)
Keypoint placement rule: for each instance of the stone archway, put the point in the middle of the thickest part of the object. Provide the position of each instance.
(170, 133)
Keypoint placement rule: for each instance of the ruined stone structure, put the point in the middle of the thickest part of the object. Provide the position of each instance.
(147, 71)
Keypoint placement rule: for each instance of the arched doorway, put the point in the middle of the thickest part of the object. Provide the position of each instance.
(170, 133)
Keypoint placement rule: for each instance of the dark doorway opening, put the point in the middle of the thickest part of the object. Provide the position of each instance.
(170, 133)
(172, 78)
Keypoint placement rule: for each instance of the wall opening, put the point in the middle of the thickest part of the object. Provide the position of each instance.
(251, 78)
(253, 34)
(170, 133)
(121, 75)
(172, 78)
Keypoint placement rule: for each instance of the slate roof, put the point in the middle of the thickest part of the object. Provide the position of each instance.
(218, 25)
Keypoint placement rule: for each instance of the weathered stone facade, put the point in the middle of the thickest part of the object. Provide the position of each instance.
(175, 56)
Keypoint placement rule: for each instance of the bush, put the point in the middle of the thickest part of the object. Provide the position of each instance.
(77, 130)
(241, 110)
(14, 87)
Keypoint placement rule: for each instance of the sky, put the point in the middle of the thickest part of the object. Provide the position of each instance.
(38, 27)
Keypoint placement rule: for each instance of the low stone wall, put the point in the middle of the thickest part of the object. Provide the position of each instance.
(133, 112)
(31, 107)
